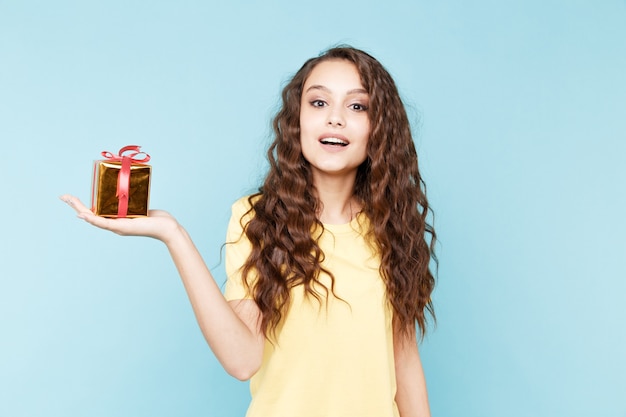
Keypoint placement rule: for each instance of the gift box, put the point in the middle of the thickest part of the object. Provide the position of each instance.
(121, 184)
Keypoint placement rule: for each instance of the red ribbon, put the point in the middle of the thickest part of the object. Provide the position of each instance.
(127, 155)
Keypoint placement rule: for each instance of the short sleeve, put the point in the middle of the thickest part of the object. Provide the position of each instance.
(237, 250)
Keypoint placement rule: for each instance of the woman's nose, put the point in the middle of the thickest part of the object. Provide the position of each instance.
(335, 118)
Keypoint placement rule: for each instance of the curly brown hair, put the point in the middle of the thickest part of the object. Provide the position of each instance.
(388, 186)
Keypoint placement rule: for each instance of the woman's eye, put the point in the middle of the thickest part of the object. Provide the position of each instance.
(358, 107)
(318, 103)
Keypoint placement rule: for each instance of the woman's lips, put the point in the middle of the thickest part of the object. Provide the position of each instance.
(334, 140)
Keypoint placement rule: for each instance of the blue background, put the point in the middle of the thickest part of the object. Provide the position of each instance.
(520, 109)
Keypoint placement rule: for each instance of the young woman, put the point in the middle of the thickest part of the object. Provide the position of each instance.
(328, 264)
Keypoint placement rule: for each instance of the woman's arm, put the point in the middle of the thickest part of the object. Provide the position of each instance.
(411, 394)
(230, 328)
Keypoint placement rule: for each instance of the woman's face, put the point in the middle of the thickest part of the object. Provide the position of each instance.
(334, 121)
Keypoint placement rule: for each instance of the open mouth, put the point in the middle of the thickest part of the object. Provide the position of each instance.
(334, 142)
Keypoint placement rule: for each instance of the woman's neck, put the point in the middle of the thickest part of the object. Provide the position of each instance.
(337, 202)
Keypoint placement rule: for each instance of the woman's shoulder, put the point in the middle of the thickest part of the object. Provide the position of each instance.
(243, 206)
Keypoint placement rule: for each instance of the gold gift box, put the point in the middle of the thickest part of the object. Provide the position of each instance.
(104, 199)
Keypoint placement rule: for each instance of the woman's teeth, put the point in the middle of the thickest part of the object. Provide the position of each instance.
(334, 141)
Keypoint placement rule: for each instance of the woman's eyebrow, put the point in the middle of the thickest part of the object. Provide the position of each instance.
(327, 90)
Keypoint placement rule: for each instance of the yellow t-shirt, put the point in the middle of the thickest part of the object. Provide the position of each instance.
(333, 360)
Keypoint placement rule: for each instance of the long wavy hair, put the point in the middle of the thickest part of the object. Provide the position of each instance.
(388, 185)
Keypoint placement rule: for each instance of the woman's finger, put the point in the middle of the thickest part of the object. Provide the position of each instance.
(87, 215)
(74, 203)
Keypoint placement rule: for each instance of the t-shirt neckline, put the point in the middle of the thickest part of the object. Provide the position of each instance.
(354, 225)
